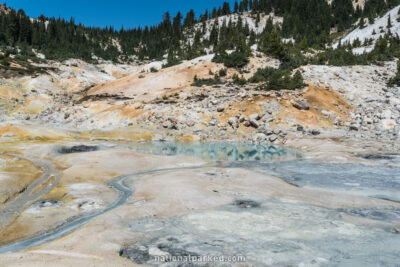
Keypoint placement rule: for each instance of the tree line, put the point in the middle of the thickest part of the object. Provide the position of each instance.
(308, 22)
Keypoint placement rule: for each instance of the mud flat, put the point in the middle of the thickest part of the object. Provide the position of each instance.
(16, 174)
(127, 203)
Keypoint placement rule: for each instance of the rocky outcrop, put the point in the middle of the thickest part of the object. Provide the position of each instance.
(300, 104)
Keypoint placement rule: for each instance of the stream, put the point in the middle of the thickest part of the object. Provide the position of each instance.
(124, 193)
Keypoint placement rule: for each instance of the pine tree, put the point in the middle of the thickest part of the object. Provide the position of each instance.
(272, 45)
(226, 10)
(361, 25)
(303, 44)
(214, 13)
(12, 30)
(296, 82)
(236, 7)
(258, 19)
(25, 31)
(371, 19)
(389, 23)
(190, 19)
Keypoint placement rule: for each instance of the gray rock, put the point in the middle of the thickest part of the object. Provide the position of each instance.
(277, 131)
(233, 122)
(190, 123)
(300, 128)
(353, 128)
(325, 113)
(259, 138)
(283, 134)
(368, 120)
(255, 117)
(300, 104)
(315, 132)
(214, 102)
(220, 109)
(273, 138)
(269, 132)
(167, 124)
(47, 203)
(254, 123)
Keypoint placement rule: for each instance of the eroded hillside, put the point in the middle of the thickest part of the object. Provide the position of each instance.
(164, 103)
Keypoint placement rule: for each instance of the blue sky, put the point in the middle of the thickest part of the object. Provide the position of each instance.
(129, 13)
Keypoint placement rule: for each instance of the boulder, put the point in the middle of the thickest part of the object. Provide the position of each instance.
(300, 104)
(255, 117)
(254, 123)
(269, 132)
(220, 109)
(325, 113)
(273, 138)
(259, 138)
(214, 102)
(233, 122)
(353, 128)
(315, 132)
(300, 128)
(166, 124)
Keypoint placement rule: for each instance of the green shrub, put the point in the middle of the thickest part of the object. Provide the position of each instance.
(153, 69)
(200, 82)
(5, 62)
(277, 79)
(262, 75)
(222, 72)
(297, 81)
(236, 59)
(339, 57)
(239, 80)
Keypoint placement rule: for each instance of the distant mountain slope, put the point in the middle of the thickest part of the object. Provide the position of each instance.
(373, 31)
(247, 18)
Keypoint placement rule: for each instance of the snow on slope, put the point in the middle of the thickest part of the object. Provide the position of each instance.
(380, 28)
